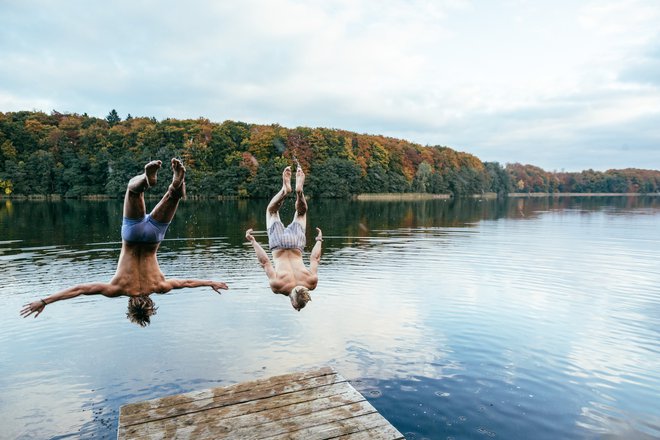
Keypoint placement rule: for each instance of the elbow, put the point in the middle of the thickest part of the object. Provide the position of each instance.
(171, 285)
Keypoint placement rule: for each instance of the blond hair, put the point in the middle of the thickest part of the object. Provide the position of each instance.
(300, 297)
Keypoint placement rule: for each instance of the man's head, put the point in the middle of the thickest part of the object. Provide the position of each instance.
(299, 297)
(140, 310)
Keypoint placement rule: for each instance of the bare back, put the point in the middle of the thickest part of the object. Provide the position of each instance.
(290, 271)
(138, 272)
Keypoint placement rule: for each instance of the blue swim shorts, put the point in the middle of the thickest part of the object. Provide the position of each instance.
(291, 237)
(145, 230)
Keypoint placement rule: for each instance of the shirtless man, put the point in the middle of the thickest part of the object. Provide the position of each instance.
(289, 276)
(138, 273)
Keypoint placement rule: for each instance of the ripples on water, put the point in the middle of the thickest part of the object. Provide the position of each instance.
(540, 326)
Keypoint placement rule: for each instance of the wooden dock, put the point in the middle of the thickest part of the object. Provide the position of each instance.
(313, 404)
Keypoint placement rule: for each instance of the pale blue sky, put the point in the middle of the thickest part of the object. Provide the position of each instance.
(558, 84)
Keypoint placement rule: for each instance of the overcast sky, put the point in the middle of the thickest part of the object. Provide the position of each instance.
(558, 84)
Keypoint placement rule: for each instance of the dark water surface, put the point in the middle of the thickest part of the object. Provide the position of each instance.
(528, 318)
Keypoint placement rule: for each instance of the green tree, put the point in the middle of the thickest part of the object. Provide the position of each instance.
(376, 180)
(499, 180)
(17, 174)
(336, 178)
(113, 118)
(438, 184)
(41, 165)
(267, 181)
(422, 179)
(397, 182)
(6, 187)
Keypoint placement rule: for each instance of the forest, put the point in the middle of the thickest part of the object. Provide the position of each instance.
(74, 155)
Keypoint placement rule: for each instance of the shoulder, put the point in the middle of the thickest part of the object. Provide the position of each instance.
(312, 281)
(111, 290)
(166, 285)
(279, 284)
(276, 282)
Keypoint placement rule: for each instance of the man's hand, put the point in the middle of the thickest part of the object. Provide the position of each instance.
(248, 235)
(315, 255)
(30, 308)
(217, 285)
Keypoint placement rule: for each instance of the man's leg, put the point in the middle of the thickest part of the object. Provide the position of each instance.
(301, 203)
(164, 211)
(134, 199)
(273, 209)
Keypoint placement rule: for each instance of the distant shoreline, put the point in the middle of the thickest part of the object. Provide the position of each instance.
(581, 194)
(426, 196)
(365, 197)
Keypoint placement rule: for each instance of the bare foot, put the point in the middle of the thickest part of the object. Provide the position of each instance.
(300, 180)
(286, 180)
(178, 173)
(151, 171)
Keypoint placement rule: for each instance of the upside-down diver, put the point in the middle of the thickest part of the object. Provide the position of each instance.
(288, 275)
(138, 274)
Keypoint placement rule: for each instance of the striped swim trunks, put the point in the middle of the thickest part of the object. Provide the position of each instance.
(291, 237)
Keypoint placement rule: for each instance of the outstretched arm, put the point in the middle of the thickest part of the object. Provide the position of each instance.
(81, 289)
(315, 255)
(180, 284)
(262, 256)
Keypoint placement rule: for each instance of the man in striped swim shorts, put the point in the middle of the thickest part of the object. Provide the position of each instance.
(138, 273)
(288, 274)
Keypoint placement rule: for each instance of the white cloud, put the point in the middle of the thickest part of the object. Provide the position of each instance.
(495, 79)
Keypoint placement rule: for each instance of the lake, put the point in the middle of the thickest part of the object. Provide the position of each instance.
(456, 319)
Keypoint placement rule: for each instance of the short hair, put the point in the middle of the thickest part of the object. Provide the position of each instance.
(301, 297)
(140, 310)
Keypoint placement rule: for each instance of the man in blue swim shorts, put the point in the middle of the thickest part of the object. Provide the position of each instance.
(288, 275)
(138, 273)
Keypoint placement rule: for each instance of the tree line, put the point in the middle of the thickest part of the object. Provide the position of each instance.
(530, 179)
(76, 155)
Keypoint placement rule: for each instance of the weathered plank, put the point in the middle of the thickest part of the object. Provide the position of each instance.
(337, 428)
(321, 384)
(193, 396)
(254, 412)
(382, 432)
(287, 425)
(314, 404)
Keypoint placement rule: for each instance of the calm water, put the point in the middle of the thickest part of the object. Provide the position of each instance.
(456, 319)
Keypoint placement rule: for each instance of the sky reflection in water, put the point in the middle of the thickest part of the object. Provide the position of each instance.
(464, 319)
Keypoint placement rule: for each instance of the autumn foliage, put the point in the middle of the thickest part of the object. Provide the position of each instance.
(531, 179)
(76, 155)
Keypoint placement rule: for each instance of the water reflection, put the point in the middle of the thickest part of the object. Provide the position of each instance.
(527, 318)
